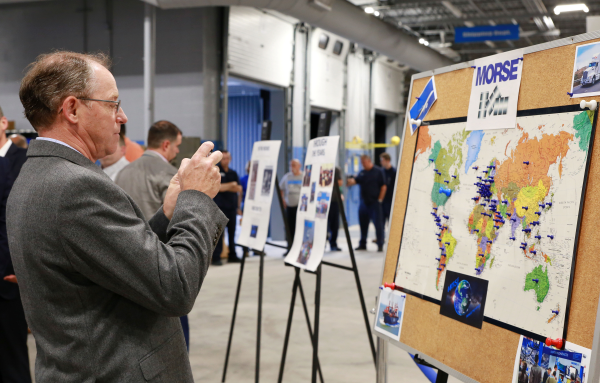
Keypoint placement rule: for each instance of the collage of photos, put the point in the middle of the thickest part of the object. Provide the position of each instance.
(253, 177)
(389, 313)
(537, 363)
(307, 242)
(322, 204)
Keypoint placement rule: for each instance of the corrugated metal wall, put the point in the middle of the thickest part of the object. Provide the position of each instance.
(245, 119)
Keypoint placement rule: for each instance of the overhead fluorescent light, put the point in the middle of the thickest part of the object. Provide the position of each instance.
(369, 10)
(570, 8)
(449, 6)
(376, 13)
(424, 42)
(549, 23)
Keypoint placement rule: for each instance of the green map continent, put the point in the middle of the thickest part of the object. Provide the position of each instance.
(541, 288)
(582, 123)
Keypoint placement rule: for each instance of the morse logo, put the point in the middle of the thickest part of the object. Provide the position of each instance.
(492, 104)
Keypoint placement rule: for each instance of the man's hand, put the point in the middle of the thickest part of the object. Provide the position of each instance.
(171, 196)
(11, 279)
(200, 172)
(351, 181)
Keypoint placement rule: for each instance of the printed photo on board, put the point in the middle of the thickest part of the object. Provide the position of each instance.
(253, 231)
(322, 204)
(326, 175)
(303, 202)
(586, 71)
(313, 188)
(307, 242)
(463, 298)
(253, 176)
(390, 313)
(267, 179)
(307, 174)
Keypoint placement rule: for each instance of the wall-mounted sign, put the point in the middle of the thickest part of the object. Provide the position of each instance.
(486, 33)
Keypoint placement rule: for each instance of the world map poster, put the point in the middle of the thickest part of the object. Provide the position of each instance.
(502, 205)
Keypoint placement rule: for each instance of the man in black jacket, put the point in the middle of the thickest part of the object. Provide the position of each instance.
(14, 358)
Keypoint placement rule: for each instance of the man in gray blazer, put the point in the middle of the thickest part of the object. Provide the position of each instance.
(147, 179)
(102, 287)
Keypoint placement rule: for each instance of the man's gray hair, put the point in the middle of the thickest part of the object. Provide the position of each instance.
(52, 78)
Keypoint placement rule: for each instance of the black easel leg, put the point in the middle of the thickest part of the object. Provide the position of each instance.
(442, 377)
(336, 193)
(235, 305)
(289, 325)
(310, 333)
(258, 326)
(316, 332)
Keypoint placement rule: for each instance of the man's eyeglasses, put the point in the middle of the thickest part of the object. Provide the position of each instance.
(118, 103)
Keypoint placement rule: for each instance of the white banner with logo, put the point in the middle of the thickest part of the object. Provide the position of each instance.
(259, 194)
(495, 91)
(313, 208)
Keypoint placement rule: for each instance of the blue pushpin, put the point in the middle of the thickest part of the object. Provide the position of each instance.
(435, 208)
(479, 178)
(442, 264)
(526, 162)
(439, 240)
(533, 252)
(550, 236)
(439, 173)
(527, 230)
(535, 223)
(446, 181)
(441, 248)
(549, 204)
(485, 171)
(475, 167)
(445, 216)
(505, 202)
(538, 213)
(431, 160)
(538, 237)
(535, 280)
(453, 176)
(508, 214)
(555, 312)
(477, 230)
(542, 205)
(438, 224)
(524, 243)
(435, 170)
(482, 255)
(444, 227)
(437, 259)
(496, 227)
(475, 198)
(524, 208)
(522, 247)
(513, 219)
(513, 238)
(447, 243)
(445, 191)
(439, 269)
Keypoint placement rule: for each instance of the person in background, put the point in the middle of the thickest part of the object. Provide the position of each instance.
(390, 177)
(333, 219)
(372, 191)
(535, 375)
(14, 356)
(552, 378)
(19, 140)
(523, 378)
(147, 179)
(244, 183)
(114, 163)
(133, 150)
(229, 200)
(290, 186)
(546, 374)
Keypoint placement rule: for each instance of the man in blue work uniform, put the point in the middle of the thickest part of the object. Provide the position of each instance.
(390, 178)
(372, 191)
(229, 200)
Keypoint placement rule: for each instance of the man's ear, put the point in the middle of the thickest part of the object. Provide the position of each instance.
(165, 145)
(3, 124)
(69, 109)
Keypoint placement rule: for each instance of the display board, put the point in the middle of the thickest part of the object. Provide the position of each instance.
(257, 205)
(487, 354)
(315, 199)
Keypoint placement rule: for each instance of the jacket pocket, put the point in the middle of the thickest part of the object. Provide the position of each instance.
(161, 357)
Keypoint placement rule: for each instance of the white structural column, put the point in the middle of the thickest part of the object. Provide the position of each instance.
(149, 65)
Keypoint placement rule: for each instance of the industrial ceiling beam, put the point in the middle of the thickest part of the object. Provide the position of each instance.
(423, 22)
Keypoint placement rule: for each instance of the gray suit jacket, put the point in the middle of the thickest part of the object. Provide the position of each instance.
(102, 287)
(146, 180)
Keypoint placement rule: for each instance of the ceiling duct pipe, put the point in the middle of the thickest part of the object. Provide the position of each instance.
(344, 19)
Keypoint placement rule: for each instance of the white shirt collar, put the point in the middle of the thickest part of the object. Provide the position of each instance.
(5, 148)
(58, 142)
(157, 153)
(113, 170)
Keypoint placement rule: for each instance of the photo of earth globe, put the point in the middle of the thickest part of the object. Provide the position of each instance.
(462, 297)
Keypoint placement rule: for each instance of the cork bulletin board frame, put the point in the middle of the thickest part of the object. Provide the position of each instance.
(488, 354)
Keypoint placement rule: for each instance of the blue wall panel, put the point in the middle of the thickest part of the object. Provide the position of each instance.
(244, 128)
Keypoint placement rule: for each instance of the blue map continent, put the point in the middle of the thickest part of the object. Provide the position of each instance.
(474, 143)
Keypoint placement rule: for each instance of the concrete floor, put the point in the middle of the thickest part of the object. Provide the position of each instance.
(343, 344)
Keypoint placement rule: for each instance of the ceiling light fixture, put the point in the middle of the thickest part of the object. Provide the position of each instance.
(570, 8)
(369, 10)
(376, 13)
(424, 42)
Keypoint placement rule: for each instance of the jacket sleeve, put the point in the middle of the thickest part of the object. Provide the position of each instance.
(108, 243)
(159, 224)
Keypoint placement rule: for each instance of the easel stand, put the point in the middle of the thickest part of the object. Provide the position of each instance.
(316, 368)
(266, 133)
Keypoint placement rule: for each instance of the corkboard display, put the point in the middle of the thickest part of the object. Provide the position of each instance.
(488, 355)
